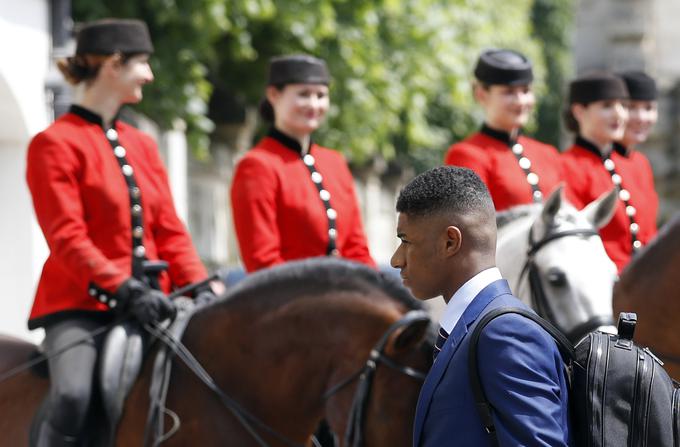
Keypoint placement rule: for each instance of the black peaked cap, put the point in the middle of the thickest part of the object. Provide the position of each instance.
(504, 67)
(109, 36)
(298, 69)
(641, 86)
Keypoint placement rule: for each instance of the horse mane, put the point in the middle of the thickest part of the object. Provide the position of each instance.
(512, 214)
(316, 276)
(662, 248)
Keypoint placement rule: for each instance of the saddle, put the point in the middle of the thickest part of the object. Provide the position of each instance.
(121, 361)
(154, 432)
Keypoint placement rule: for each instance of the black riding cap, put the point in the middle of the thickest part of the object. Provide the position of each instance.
(297, 69)
(109, 36)
(641, 86)
(597, 86)
(503, 67)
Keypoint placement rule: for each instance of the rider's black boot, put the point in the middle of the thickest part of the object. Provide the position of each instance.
(48, 436)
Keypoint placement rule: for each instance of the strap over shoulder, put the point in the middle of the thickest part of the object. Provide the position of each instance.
(481, 402)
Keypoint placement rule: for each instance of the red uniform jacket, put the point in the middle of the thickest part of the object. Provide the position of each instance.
(82, 204)
(488, 153)
(587, 179)
(278, 213)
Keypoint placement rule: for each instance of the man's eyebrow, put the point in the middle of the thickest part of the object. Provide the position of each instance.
(401, 235)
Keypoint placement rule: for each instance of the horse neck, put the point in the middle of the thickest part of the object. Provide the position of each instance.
(279, 361)
(651, 274)
(511, 254)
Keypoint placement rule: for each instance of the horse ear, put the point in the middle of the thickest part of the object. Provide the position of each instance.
(600, 211)
(407, 336)
(552, 205)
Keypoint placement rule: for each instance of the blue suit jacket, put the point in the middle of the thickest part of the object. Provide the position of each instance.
(522, 375)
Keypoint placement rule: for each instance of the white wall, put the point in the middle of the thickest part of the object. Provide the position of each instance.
(23, 112)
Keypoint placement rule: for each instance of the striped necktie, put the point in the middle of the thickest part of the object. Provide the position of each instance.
(442, 335)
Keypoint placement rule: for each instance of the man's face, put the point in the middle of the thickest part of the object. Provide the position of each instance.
(419, 256)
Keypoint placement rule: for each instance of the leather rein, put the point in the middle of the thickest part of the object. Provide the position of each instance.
(357, 416)
(539, 299)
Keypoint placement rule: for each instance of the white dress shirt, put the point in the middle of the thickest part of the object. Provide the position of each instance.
(464, 296)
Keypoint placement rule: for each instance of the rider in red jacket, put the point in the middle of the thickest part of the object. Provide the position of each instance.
(598, 115)
(517, 169)
(102, 199)
(632, 164)
(292, 198)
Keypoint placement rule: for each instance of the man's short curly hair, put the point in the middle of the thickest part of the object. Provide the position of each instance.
(446, 189)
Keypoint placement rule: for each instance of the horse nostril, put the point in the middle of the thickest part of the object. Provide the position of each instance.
(556, 277)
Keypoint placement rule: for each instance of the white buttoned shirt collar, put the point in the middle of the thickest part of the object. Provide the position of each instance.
(462, 298)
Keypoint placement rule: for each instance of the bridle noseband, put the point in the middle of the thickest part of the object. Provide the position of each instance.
(354, 434)
(539, 299)
(357, 416)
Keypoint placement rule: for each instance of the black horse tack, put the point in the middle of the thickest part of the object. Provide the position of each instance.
(539, 299)
(357, 417)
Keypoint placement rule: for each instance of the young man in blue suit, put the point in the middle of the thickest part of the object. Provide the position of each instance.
(447, 228)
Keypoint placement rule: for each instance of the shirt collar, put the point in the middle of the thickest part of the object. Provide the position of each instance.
(286, 140)
(621, 149)
(464, 296)
(499, 135)
(90, 116)
(591, 147)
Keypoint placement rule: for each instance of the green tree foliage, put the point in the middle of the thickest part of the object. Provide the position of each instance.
(401, 68)
(552, 20)
(184, 33)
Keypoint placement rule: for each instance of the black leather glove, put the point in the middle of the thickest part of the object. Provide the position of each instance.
(204, 295)
(144, 303)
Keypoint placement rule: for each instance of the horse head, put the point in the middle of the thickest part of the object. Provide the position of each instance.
(555, 261)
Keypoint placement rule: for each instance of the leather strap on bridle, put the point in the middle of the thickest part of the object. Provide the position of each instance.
(539, 299)
(356, 419)
(354, 435)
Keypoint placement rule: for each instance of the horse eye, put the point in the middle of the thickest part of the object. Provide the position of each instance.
(556, 277)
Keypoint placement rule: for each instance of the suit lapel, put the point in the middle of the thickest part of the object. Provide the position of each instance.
(457, 335)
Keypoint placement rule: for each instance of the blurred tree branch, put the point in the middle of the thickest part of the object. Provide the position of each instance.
(401, 68)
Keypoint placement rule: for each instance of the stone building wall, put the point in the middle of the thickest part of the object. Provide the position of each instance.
(640, 34)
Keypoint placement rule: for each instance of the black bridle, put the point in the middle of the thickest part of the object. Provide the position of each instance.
(357, 416)
(539, 299)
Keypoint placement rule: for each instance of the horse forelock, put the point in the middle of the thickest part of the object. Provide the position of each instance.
(319, 276)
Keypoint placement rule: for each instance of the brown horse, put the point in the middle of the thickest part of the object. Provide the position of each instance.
(648, 286)
(276, 344)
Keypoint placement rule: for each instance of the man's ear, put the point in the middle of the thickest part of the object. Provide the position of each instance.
(454, 240)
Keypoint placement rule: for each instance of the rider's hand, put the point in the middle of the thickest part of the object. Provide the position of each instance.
(144, 303)
(152, 306)
(206, 294)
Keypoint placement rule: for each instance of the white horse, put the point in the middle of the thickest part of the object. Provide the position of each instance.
(554, 260)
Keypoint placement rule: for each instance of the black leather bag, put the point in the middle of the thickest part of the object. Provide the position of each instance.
(620, 394)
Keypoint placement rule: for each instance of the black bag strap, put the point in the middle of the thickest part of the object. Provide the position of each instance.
(481, 402)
